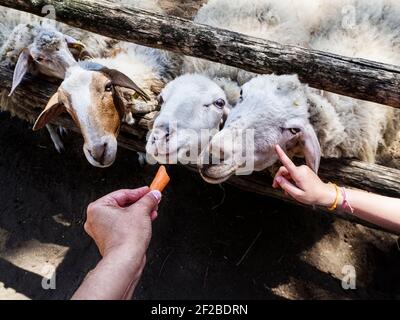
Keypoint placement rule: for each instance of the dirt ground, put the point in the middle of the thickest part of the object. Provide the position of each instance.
(209, 242)
(202, 233)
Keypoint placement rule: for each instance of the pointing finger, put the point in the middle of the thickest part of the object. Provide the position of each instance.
(290, 166)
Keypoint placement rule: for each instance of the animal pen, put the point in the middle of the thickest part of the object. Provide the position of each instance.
(356, 78)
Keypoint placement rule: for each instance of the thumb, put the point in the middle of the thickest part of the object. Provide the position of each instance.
(148, 203)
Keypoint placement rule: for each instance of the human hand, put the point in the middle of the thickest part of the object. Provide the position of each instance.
(121, 222)
(302, 184)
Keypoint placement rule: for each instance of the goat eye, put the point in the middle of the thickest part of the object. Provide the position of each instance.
(220, 103)
(108, 87)
(160, 100)
(39, 59)
(294, 130)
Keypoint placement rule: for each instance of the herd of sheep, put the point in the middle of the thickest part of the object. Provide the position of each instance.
(205, 107)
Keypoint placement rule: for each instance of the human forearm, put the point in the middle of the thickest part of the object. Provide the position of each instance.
(376, 209)
(114, 278)
(302, 184)
(379, 210)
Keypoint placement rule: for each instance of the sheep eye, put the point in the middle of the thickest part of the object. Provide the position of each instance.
(39, 59)
(220, 103)
(108, 87)
(294, 130)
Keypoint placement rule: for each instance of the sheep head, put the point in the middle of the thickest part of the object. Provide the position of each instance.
(50, 54)
(90, 94)
(192, 108)
(272, 110)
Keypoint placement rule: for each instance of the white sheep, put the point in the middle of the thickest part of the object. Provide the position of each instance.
(31, 44)
(37, 49)
(207, 84)
(302, 120)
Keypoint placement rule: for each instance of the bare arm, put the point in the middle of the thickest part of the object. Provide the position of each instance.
(120, 224)
(379, 210)
(114, 278)
(302, 184)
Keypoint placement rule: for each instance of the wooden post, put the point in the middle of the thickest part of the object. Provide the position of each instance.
(352, 77)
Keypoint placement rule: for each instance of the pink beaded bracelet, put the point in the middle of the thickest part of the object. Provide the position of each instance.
(345, 202)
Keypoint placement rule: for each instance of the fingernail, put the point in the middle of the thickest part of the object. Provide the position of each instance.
(157, 195)
(279, 180)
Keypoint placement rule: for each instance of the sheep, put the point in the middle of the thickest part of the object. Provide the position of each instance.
(266, 19)
(176, 133)
(37, 46)
(38, 49)
(205, 84)
(309, 122)
(31, 44)
(37, 41)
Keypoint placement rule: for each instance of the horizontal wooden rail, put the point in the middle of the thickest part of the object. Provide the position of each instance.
(352, 77)
(354, 174)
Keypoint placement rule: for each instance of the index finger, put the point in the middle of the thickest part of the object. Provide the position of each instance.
(287, 163)
(124, 197)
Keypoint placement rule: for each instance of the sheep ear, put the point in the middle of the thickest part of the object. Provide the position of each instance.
(225, 115)
(311, 147)
(79, 47)
(121, 80)
(22, 67)
(53, 109)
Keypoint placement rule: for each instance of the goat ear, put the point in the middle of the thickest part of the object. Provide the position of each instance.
(311, 147)
(22, 67)
(53, 109)
(118, 79)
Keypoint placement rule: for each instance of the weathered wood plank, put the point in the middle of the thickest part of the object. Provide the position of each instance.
(356, 78)
(354, 174)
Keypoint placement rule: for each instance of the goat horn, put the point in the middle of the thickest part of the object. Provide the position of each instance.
(121, 80)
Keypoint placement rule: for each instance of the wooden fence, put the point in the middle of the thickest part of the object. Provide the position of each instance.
(356, 78)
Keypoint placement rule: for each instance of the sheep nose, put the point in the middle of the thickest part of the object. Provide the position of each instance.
(98, 152)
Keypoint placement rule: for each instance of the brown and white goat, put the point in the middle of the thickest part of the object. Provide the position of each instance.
(94, 92)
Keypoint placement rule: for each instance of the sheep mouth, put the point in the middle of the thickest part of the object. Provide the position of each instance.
(216, 174)
(168, 156)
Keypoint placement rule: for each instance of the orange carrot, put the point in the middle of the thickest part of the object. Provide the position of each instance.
(161, 180)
